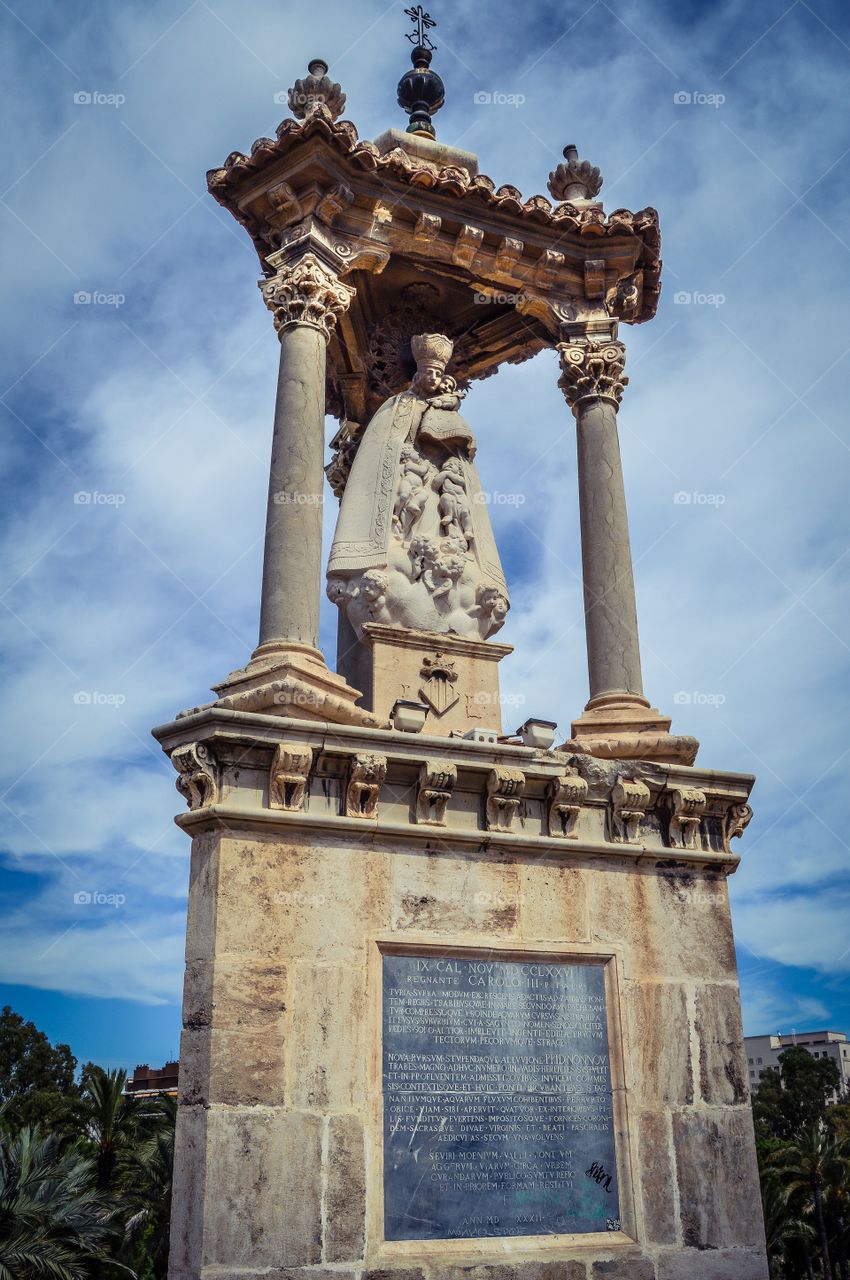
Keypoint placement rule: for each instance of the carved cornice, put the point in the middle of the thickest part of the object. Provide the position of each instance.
(306, 292)
(592, 369)
(237, 185)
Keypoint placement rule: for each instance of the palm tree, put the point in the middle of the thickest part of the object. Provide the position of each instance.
(53, 1223)
(812, 1164)
(110, 1121)
(149, 1188)
(784, 1230)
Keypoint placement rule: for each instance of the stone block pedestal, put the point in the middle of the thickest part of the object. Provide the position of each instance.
(454, 850)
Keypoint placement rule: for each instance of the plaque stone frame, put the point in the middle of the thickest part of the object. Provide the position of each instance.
(490, 1249)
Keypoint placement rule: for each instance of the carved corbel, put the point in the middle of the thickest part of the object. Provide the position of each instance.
(467, 244)
(566, 795)
(288, 777)
(735, 822)
(436, 783)
(687, 806)
(629, 801)
(504, 793)
(594, 277)
(508, 254)
(365, 776)
(547, 267)
(333, 203)
(285, 203)
(197, 774)
(427, 227)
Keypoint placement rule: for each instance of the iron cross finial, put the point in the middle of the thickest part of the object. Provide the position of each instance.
(424, 23)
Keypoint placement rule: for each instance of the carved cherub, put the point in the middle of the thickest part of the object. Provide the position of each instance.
(368, 600)
(445, 565)
(411, 494)
(455, 515)
(492, 603)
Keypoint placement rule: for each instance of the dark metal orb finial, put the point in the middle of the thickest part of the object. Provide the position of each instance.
(421, 92)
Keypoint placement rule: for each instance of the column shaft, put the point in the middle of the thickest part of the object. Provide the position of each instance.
(613, 651)
(289, 612)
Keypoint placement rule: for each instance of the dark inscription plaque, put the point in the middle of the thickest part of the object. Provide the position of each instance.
(497, 1099)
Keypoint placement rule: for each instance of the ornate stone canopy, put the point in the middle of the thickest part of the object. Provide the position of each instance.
(426, 238)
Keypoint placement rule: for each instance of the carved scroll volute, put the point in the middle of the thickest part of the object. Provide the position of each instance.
(197, 774)
(566, 795)
(306, 292)
(366, 773)
(504, 794)
(735, 822)
(288, 777)
(437, 779)
(687, 806)
(629, 801)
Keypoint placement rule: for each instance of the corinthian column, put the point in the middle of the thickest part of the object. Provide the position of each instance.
(305, 297)
(618, 720)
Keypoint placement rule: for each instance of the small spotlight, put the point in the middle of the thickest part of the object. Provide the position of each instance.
(537, 733)
(409, 717)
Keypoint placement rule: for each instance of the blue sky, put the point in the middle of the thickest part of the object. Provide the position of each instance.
(159, 400)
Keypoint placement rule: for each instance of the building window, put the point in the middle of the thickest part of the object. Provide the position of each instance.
(750, 1061)
(759, 1061)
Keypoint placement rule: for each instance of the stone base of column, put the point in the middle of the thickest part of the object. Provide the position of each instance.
(623, 726)
(293, 680)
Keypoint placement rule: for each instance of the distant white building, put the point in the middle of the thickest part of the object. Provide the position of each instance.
(764, 1051)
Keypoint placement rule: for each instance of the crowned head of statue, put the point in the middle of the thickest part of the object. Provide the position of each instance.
(432, 352)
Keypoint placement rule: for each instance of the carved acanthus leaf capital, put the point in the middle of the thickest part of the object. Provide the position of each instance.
(197, 774)
(306, 292)
(592, 369)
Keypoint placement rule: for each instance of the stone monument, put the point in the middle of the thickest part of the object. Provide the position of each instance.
(458, 1002)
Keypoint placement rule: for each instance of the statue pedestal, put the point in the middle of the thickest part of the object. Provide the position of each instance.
(456, 677)
(456, 1010)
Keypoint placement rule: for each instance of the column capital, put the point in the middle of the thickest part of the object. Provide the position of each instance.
(592, 369)
(306, 292)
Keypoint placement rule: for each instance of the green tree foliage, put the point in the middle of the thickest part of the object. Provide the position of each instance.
(86, 1195)
(36, 1078)
(804, 1158)
(795, 1097)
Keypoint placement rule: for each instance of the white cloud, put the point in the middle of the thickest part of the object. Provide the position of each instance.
(155, 598)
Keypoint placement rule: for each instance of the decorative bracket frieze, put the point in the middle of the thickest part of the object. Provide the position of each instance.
(366, 773)
(197, 774)
(629, 802)
(566, 795)
(290, 771)
(504, 793)
(466, 245)
(437, 779)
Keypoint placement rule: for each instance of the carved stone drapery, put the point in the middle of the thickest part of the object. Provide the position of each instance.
(365, 775)
(197, 771)
(687, 807)
(629, 800)
(504, 793)
(566, 795)
(306, 292)
(288, 777)
(437, 779)
(592, 369)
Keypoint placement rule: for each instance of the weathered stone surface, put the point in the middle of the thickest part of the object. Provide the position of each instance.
(198, 994)
(345, 1190)
(263, 1177)
(278, 1273)
(553, 902)
(723, 1061)
(725, 1264)
(657, 1178)
(674, 924)
(394, 1273)
(327, 1059)
(523, 1271)
(236, 1068)
(187, 1215)
(628, 1267)
(659, 1044)
(248, 996)
(445, 894)
(718, 1179)
(203, 892)
(280, 902)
